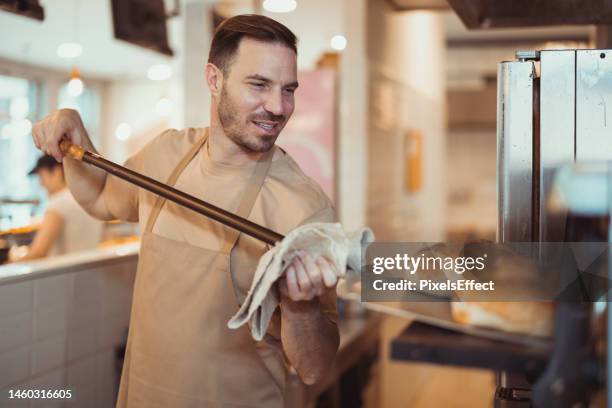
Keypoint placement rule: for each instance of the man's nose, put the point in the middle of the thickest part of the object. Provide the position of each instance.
(274, 103)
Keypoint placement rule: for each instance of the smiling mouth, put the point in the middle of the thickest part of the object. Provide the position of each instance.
(267, 126)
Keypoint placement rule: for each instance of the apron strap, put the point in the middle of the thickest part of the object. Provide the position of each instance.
(159, 202)
(249, 197)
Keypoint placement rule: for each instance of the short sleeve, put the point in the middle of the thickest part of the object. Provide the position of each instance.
(155, 160)
(60, 204)
(326, 214)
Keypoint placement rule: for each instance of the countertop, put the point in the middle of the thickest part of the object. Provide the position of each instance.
(23, 271)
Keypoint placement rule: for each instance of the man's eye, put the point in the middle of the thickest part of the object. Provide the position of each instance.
(257, 85)
(290, 90)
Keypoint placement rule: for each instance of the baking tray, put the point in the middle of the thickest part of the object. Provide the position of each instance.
(437, 312)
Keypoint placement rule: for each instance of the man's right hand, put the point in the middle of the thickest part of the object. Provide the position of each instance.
(61, 124)
(86, 183)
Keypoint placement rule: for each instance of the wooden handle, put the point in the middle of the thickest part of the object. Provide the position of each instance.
(170, 193)
(72, 150)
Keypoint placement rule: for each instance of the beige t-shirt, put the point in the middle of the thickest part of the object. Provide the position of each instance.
(288, 199)
(80, 230)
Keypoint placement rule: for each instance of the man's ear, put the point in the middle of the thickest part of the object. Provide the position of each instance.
(214, 79)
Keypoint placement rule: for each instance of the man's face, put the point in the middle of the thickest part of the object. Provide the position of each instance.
(257, 97)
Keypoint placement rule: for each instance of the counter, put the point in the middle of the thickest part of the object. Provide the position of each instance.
(63, 323)
(18, 272)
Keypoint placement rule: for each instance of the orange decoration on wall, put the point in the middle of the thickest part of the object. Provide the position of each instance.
(413, 150)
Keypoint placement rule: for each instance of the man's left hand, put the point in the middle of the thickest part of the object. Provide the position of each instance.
(307, 277)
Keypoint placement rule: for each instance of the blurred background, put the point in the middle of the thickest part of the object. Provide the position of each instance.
(395, 119)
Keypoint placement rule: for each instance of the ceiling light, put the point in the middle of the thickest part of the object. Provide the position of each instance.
(69, 50)
(163, 107)
(19, 108)
(123, 131)
(75, 85)
(279, 6)
(159, 72)
(338, 42)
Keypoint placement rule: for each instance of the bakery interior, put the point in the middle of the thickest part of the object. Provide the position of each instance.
(426, 120)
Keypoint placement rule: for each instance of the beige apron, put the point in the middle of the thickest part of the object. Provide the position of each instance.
(180, 352)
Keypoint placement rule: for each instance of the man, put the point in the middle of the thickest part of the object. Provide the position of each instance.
(193, 272)
(65, 227)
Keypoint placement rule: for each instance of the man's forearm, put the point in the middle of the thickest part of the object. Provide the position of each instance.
(86, 183)
(310, 339)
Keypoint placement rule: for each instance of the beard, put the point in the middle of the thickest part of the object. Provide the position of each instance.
(237, 129)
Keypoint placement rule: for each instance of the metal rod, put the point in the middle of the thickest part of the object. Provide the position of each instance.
(176, 196)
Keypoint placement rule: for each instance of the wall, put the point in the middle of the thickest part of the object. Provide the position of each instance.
(63, 331)
(133, 102)
(352, 166)
(472, 108)
(315, 22)
(132, 99)
(197, 36)
(471, 162)
(407, 93)
(471, 174)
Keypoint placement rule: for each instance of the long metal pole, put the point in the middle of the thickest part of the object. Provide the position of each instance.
(170, 193)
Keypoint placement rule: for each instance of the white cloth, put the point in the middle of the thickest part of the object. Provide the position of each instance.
(80, 231)
(329, 240)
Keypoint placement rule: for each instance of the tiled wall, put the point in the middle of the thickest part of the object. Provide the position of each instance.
(471, 174)
(62, 332)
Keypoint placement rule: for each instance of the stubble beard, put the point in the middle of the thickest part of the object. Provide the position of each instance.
(237, 132)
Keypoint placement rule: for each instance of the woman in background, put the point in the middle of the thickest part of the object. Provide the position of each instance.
(65, 227)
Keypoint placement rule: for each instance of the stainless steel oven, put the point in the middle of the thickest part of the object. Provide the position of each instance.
(555, 110)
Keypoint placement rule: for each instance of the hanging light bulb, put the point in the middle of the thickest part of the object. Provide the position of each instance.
(159, 72)
(338, 42)
(164, 106)
(123, 131)
(75, 85)
(279, 6)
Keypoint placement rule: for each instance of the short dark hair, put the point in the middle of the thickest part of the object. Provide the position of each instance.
(45, 162)
(229, 34)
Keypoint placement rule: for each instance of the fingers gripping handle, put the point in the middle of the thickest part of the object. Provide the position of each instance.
(72, 150)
